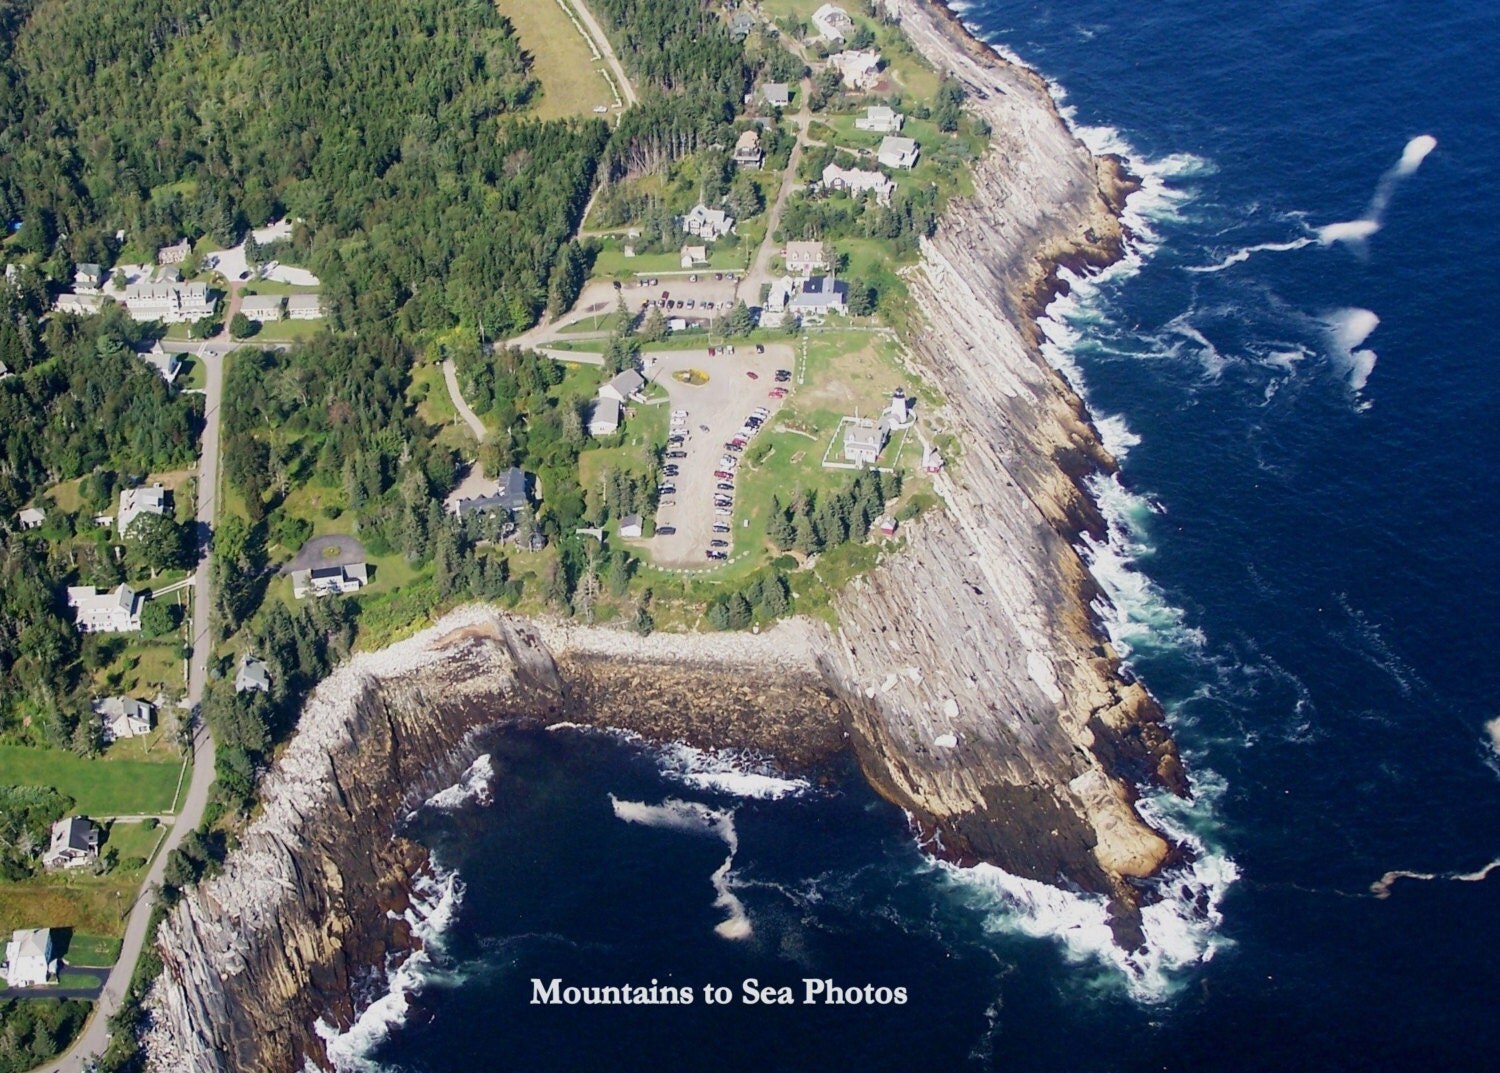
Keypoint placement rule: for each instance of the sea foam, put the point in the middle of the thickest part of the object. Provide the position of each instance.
(1347, 329)
(434, 904)
(473, 786)
(694, 818)
(734, 772)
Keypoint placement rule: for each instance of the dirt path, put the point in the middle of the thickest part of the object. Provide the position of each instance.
(450, 377)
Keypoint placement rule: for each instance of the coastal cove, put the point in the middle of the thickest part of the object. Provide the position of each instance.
(980, 632)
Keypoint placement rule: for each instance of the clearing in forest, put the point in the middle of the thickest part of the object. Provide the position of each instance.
(572, 78)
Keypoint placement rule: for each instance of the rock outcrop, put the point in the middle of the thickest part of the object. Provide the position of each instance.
(980, 633)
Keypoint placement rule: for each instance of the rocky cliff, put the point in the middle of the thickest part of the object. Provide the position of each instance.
(315, 896)
(981, 632)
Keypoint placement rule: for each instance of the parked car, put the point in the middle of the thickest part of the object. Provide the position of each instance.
(759, 349)
(720, 527)
(723, 474)
(666, 530)
(715, 554)
(723, 512)
(669, 471)
(752, 374)
(676, 454)
(679, 413)
(725, 486)
(693, 278)
(667, 490)
(718, 275)
(718, 543)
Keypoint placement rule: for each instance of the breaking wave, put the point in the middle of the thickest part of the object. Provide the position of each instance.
(434, 903)
(735, 772)
(474, 786)
(693, 818)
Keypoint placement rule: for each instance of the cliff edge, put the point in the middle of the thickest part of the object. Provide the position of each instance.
(980, 633)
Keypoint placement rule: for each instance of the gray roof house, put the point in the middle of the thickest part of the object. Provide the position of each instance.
(509, 495)
(31, 518)
(261, 307)
(897, 152)
(124, 717)
(880, 120)
(623, 385)
(75, 844)
(148, 499)
(742, 24)
(253, 676)
(864, 440)
(821, 294)
(604, 418)
(88, 278)
(304, 306)
(776, 94)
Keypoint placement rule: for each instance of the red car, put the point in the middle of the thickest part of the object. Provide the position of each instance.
(752, 376)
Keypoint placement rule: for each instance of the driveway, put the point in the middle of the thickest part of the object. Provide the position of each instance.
(722, 404)
(336, 550)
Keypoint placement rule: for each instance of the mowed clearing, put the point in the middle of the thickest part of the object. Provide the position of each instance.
(572, 82)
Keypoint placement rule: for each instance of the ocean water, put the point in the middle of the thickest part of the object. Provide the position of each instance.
(1298, 367)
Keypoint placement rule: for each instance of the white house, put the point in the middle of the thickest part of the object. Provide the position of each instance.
(803, 257)
(832, 22)
(707, 223)
(252, 676)
(304, 307)
(932, 459)
(747, 150)
(604, 418)
(174, 255)
(31, 518)
(622, 386)
(148, 499)
(864, 440)
(124, 717)
(780, 296)
(162, 360)
(28, 958)
(75, 844)
(261, 307)
(692, 256)
(328, 580)
(880, 120)
(80, 305)
(173, 303)
(859, 67)
(105, 611)
(858, 181)
(630, 525)
(897, 152)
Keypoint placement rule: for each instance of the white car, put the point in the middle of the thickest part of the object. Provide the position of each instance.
(679, 413)
(723, 512)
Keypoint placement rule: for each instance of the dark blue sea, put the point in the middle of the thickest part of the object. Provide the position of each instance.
(1298, 367)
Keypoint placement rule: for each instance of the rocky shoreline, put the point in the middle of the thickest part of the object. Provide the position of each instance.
(969, 673)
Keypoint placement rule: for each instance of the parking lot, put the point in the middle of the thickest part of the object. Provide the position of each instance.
(715, 413)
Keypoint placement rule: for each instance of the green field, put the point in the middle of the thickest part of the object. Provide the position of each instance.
(572, 82)
(102, 787)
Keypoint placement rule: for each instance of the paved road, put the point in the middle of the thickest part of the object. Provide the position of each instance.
(90, 1044)
(601, 42)
(760, 269)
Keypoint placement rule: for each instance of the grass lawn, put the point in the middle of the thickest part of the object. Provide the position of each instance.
(107, 786)
(572, 82)
(133, 840)
(287, 331)
(145, 668)
(612, 262)
(193, 376)
(91, 951)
